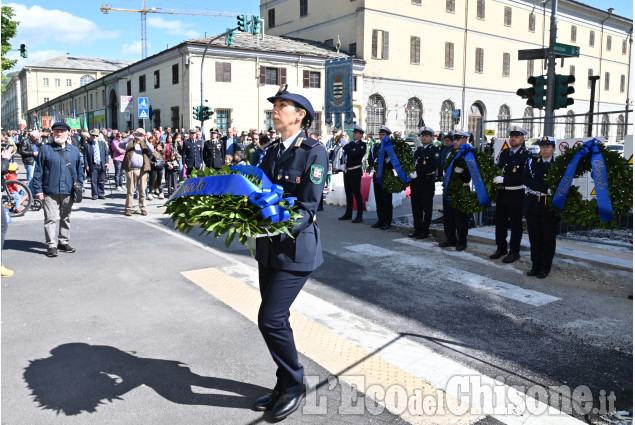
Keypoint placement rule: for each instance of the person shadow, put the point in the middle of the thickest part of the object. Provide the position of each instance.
(78, 377)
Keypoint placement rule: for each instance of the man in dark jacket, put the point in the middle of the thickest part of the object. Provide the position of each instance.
(214, 151)
(28, 152)
(192, 155)
(52, 184)
(95, 160)
(422, 186)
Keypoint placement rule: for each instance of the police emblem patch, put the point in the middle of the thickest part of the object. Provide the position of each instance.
(297, 180)
(317, 174)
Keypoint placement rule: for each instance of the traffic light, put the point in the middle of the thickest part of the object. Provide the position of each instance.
(563, 90)
(242, 23)
(230, 38)
(23, 50)
(256, 21)
(196, 113)
(535, 94)
(206, 113)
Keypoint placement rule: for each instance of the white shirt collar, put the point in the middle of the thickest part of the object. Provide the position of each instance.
(287, 142)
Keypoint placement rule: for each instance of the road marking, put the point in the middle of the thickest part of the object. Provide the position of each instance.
(481, 283)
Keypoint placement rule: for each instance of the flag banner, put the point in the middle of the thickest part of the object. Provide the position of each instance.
(46, 122)
(338, 95)
(73, 123)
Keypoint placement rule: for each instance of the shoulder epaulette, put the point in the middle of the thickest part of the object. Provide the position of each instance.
(307, 141)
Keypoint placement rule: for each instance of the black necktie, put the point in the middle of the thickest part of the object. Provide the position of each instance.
(280, 149)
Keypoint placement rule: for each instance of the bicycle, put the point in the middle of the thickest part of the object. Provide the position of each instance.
(16, 196)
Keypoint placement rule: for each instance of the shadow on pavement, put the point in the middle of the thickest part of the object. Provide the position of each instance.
(25, 246)
(78, 377)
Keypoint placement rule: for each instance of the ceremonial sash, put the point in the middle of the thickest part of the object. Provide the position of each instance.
(238, 185)
(598, 172)
(467, 152)
(387, 148)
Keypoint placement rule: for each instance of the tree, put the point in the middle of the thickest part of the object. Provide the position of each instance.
(9, 30)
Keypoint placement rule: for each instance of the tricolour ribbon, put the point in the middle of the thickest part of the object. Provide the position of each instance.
(598, 166)
(238, 185)
(387, 148)
(467, 151)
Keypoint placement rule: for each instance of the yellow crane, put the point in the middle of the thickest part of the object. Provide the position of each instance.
(144, 11)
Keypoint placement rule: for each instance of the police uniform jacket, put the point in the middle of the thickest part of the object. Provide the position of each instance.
(214, 153)
(191, 154)
(373, 158)
(512, 166)
(354, 151)
(534, 178)
(301, 171)
(443, 156)
(465, 176)
(426, 163)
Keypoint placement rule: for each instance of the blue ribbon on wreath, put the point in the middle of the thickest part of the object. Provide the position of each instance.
(387, 148)
(467, 151)
(265, 197)
(598, 166)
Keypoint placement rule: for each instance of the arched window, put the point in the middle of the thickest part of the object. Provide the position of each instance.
(414, 113)
(85, 80)
(446, 123)
(569, 129)
(473, 117)
(528, 122)
(375, 114)
(604, 130)
(503, 114)
(621, 128)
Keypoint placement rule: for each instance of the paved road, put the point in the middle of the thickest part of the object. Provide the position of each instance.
(143, 325)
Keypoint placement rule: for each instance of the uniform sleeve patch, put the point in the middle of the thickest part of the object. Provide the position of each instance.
(317, 174)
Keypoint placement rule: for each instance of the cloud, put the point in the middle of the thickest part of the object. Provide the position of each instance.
(173, 27)
(133, 49)
(40, 26)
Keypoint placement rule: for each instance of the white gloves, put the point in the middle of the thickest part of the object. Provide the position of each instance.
(413, 175)
(498, 180)
(458, 170)
(343, 167)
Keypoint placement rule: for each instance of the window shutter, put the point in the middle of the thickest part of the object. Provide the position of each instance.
(306, 83)
(219, 72)
(574, 33)
(592, 39)
(374, 52)
(263, 75)
(283, 76)
(227, 72)
(384, 54)
(508, 16)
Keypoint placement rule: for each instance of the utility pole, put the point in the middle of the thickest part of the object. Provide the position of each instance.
(551, 71)
(593, 79)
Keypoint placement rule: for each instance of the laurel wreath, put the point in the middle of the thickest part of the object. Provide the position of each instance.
(585, 212)
(227, 214)
(390, 181)
(463, 199)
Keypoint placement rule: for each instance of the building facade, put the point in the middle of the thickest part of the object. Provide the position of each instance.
(437, 59)
(48, 79)
(236, 83)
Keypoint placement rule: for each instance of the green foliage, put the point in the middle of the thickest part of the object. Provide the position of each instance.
(462, 198)
(226, 214)
(585, 212)
(391, 182)
(9, 31)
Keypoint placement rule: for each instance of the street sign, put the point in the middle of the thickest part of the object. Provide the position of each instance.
(529, 54)
(126, 103)
(143, 106)
(566, 50)
(490, 132)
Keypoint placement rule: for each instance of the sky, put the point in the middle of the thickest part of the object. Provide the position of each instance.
(81, 29)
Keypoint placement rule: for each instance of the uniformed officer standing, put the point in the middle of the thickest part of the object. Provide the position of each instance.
(192, 158)
(455, 221)
(354, 153)
(509, 207)
(214, 151)
(298, 164)
(422, 186)
(443, 154)
(542, 222)
(383, 198)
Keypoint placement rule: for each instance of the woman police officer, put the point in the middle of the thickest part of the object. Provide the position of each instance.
(299, 165)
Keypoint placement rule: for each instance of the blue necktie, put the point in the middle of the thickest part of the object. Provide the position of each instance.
(96, 151)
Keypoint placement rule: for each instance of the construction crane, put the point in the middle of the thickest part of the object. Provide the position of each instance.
(144, 38)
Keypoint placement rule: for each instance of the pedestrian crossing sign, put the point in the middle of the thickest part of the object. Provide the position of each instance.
(143, 114)
(593, 192)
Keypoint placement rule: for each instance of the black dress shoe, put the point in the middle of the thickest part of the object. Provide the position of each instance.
(287, 403)
(445, 244)
(101, 197)
(376, 225)
(533, 271)
(66, 248)
(423, 236)
(51, 252)
(266, 402)
(385, 227)
(357, 220)
(511, 257)
(542, 274)
(498, 254)
(461, 247)
(345, 217)
(414, 234)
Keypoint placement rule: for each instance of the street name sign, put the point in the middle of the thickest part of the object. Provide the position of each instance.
(566, 50)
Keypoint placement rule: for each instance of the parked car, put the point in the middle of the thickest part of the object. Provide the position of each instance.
(615, 147)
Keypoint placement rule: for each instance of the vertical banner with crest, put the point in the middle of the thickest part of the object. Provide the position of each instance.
(338, 96)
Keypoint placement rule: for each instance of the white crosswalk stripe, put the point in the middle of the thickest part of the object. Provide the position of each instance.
(463, 277)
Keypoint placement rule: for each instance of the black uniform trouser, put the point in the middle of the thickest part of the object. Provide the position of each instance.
(455, 224)
(383, 199)
(421, 201)
(509, 214)
(97, 181)
(353, 188)
(542, 229)
(278, 289)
